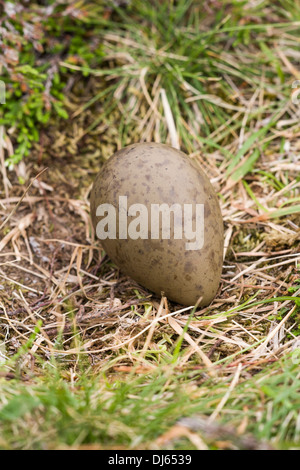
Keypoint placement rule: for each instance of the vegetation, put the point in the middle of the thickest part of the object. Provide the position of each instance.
(89, 359)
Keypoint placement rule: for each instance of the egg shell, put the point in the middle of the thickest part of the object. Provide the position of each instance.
(151, 173)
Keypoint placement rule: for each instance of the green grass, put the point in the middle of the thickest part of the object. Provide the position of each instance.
(189, 57)
(92, 83)
(59, 409)
(197, 58)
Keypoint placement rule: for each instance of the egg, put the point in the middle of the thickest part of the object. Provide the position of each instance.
(158, 218)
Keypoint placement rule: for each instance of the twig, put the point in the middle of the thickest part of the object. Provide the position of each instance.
(21, 199)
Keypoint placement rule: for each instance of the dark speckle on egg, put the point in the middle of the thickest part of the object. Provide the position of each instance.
(158, 174)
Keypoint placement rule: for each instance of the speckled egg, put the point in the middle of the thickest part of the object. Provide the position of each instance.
(158, 218)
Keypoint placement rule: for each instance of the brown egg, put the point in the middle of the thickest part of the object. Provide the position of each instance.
(159, 220)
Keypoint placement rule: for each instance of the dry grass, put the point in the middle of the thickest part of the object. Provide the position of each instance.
(62, 296)
(53, 269)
